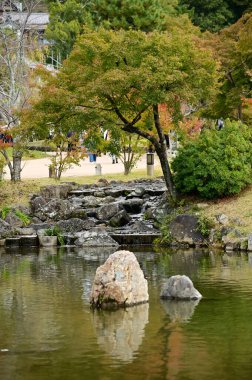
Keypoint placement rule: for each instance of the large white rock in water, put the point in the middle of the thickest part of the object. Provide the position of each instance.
(180, 287)
(119, 282)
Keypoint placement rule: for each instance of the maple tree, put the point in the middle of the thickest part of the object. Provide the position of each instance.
(117, 79)
(232, 47)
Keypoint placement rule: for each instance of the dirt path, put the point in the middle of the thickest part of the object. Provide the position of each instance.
(39, 168)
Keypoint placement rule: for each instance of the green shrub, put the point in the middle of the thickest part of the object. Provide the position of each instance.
(5, 211)
(218, 163)
(205, 225)
(23, 217)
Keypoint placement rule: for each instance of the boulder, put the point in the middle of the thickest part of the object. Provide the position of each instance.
(74, 225)
(36, 203)
(90, 201)
(222, 219)
(95, 238)
(180, 288)
(138, 192)
(120, 219)
(119, 282)
(13, 220)
(5, 229)
(55, 209)
(107, 211)
(26, 231)
(184, 229)
(133, 206)
(59, 191)
(78, 213)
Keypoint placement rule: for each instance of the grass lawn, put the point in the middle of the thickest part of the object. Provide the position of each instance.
(19, 192)
(238, 206)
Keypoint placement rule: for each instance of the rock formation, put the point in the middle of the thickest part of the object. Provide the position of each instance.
(119, 282)
(180, 287)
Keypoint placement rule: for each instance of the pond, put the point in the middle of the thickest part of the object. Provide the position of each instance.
(49, 332)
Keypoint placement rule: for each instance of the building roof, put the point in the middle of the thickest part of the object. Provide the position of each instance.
(34, 21)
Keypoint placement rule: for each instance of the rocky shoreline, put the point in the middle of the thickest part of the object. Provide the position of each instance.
(110, 214)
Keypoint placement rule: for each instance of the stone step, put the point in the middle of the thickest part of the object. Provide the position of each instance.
(12, 242)
(29, 241)
(22, 241)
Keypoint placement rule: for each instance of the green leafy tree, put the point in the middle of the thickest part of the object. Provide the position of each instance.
(232, 47)
(145, 15)
(120, 78)
(66, 23)
(214, 15)
(68, 17)
(217, 164)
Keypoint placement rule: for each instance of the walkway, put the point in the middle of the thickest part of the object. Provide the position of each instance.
(39, 168)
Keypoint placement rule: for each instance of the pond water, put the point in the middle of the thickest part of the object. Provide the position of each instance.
(48, 331)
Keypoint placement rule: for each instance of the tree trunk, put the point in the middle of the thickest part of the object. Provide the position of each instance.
(16, 166)
(161, 150)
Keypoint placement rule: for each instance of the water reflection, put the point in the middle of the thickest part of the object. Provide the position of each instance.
(43, 251)
(94, 253)
(120, 333)
(179, 311)
(50, 331)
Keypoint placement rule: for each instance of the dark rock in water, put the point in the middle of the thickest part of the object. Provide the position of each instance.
(184, 229)
(180, 288)
(119, 282)
(120, 219)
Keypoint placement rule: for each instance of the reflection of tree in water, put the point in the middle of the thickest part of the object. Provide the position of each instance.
(120, 333)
